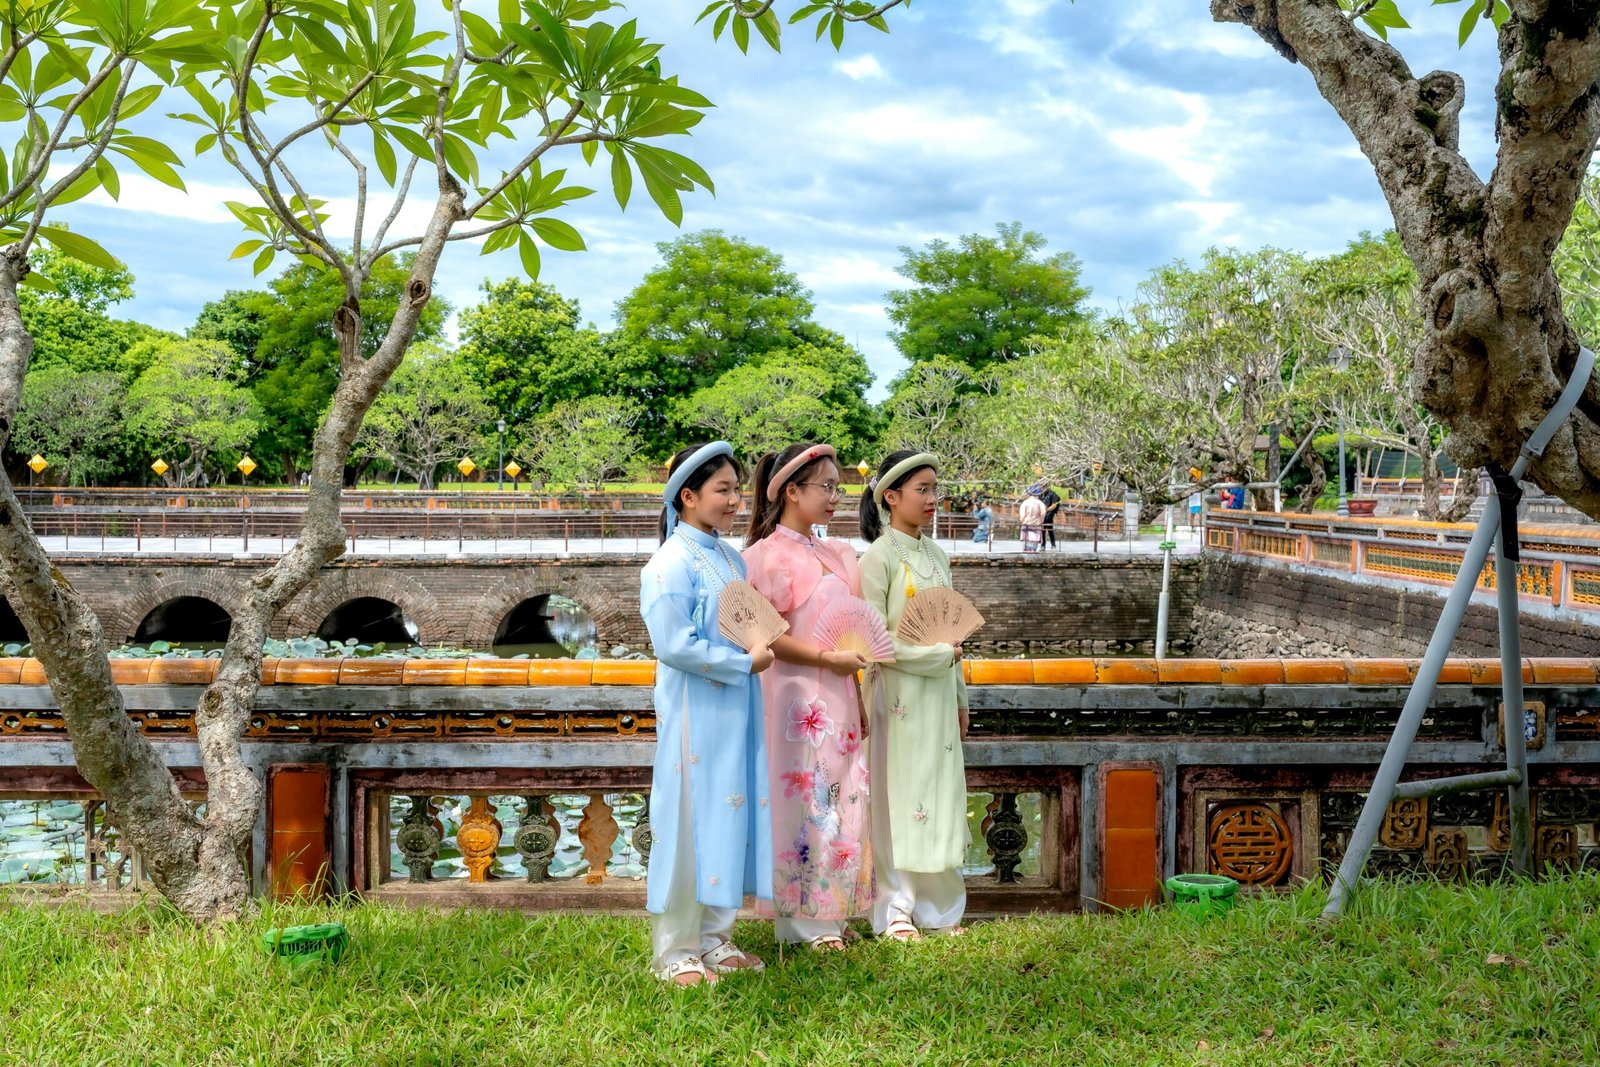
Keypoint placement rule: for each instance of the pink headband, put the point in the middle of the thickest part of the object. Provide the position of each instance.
(788, 469)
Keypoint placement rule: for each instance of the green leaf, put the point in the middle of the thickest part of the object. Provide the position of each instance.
(108, 177)
(529, 251)
(245, 248)
(621, 177)
(767, 24)
(79, 247)
(383, 152)
(264, 260)
(837, 33)
(741, 34)
(1469, 22)
(559, 234)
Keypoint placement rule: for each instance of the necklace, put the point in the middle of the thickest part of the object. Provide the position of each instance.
(932, 573)
(705, 566)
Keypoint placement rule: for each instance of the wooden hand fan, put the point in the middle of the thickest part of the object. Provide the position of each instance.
(938, 616)
(849, 624)
(747, 618)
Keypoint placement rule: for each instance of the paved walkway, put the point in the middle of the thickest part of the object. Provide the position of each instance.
(1189, 544)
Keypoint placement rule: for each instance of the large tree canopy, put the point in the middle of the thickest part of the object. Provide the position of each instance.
(979, 299)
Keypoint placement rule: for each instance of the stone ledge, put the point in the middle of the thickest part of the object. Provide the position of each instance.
(1075, 671)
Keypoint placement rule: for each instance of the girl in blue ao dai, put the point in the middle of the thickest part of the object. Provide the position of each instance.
(708, 800)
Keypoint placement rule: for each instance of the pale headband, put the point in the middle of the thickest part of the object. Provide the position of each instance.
(882, 483)
(679, 475)
(787, 471)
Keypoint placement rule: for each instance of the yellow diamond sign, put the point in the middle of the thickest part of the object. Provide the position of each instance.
(160, 467)
(862, 468)
(466, 466)
(513, 469)
(38, 463)
(247, 466)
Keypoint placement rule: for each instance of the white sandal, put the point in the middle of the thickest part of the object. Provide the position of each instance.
(687, 965)
(825, 943)
(717, 959)
(902, 929)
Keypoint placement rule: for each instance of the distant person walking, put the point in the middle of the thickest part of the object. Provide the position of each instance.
(1031, 513)
(1052, 505)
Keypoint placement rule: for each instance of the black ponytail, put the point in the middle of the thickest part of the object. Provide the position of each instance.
(696, 480)
(871, 520)
(764, 516)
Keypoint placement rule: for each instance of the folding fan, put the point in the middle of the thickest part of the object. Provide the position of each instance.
(849, 624)
(747, 618)
(938, 616)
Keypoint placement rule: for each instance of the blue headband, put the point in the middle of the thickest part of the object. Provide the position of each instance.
(680, 474)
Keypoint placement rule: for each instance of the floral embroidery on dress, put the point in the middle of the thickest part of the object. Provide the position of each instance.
(899, 709)
(764, 802)
(797, 783)
(693, 760)
(714, 880)
(808, 721)
(850, 740)
(843, 853)
(735, 801)
(921, 814)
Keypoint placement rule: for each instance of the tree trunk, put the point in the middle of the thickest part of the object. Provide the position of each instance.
(1431, 509)
(196, 863)
(1312, 490)
(1497, 348)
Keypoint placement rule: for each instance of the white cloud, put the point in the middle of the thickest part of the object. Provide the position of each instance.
(865, 68)
(848, 271)
(926, 127)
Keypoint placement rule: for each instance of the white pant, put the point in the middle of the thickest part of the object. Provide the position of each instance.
(930, 901)
(687, 927)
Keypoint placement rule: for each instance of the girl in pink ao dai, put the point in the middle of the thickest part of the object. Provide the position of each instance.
(822, 858)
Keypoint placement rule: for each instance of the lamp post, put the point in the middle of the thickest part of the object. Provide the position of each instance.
(1341, 361)
(500, 475)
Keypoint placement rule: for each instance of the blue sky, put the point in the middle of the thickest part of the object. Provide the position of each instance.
(1129, 132)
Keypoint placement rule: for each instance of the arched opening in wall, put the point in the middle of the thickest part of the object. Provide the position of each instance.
(369, 620)
(192, 621)
(11, 631)
(546, 627)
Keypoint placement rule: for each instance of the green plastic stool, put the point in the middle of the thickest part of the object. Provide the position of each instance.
(301, 945)
(1202, 895)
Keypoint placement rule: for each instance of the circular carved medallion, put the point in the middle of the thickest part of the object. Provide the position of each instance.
(1249, 843)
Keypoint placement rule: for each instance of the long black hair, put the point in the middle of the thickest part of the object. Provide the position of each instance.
(871, 521)
(696, 480)
(764, 516)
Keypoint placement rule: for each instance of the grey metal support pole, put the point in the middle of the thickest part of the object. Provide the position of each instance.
(1405, 731)
(1505, 580)
(1385, 783)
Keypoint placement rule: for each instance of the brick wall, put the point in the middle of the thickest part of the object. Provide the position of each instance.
(1035, 604)
(1373, 617)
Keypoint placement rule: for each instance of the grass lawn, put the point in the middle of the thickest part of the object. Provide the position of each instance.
(1418, 974)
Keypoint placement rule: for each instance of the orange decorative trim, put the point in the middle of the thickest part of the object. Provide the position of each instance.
(1252, 672)
(1000, 672)
(436, 672)
(1189, 671)
(372, 672)
(1125, 672)
(1380, 671)
(308, 671)
(1063, 672)
(1315, 672)
(497, 672)
(561, 671)
(624, 672)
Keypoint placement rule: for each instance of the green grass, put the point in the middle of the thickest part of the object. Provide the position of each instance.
(1409, 978)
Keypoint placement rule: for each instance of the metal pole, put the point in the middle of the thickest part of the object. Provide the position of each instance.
(1405, 731)
(1344, 502)
(500, 472)
(1505, 580)
(1165, 600)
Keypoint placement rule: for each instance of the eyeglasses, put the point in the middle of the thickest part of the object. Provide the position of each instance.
(830, 489)
(934, 492)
